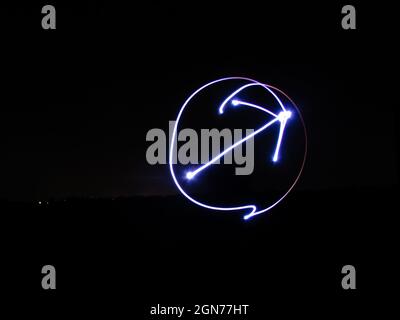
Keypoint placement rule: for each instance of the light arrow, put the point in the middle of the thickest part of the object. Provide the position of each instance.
(282, 117)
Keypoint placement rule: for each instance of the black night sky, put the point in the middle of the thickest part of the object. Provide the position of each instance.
(77, 105)
(77, 102)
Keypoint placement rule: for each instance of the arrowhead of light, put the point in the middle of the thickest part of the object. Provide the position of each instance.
(284, 115)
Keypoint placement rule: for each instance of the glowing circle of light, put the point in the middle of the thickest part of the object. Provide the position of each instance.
(281, 118)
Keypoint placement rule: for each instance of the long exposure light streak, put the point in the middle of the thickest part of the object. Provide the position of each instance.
(236, 102)
(191, 174)
(282, 118)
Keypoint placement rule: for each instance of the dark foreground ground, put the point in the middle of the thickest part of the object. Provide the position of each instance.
(125, 255)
